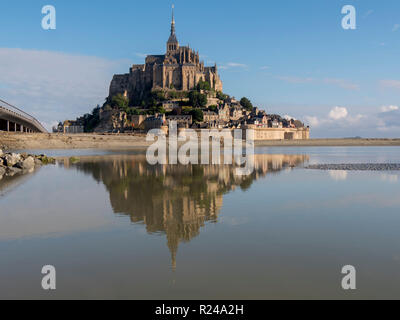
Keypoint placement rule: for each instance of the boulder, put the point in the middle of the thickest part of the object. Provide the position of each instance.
(27, 164)
(38, 162)
(11, 171)
(2, 172)
(12, 159)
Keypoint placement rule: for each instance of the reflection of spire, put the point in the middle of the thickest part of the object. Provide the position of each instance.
(173, 248)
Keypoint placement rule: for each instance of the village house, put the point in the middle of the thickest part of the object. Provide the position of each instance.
(155, 122)
(170, 105)
(69, 126)
(224, 113)
(183, 121)
(210, 116)
(236, 113)
(276, 124)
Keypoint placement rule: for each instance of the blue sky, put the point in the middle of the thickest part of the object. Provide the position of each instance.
(289, 57)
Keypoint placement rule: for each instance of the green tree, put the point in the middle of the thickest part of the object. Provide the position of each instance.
(133, 111)
(213, 108)
(203, 85)
(91, 121)
(157, 109)
(158, 96)
(120, 101)
(222, 96)
(197, 100)
(246, 103)
(197, 114)
(173, 94)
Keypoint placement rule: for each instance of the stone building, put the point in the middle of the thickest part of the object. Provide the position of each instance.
(69, 126)
(155, 122)
(236, 113)
(179, 68)
(170, 105)
(261, 133)
(224, 113)
(183, 121)
(210, 116)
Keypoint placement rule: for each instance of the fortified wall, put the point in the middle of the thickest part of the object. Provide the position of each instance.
(279, 133)
(261, 134)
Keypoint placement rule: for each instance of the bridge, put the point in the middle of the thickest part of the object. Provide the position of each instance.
(13, 119)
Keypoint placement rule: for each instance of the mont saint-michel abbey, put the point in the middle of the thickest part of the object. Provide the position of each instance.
(179, 68)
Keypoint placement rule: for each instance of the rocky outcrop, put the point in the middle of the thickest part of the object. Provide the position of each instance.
(112, 121)
(14, 163)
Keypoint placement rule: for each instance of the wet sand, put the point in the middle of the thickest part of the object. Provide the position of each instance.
(129, 141)
(39, 141)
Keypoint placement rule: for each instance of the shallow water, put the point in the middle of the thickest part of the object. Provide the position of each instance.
(116, 227)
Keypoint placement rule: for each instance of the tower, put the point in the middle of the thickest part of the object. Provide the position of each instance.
(172, 44)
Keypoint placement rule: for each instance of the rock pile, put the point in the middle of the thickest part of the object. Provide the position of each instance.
(357, 167)
(14, 163)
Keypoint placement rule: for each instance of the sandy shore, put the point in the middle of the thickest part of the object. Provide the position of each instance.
(73, 141)
(125, 141)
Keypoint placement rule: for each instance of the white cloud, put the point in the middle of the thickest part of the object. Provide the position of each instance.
(368, 13)
(388, 119)
(389, 108)
(342, 83)
(338, 117)
(312, 121)
(355, 119)
(231, 65)
(291, 79)
(396, 27)
(265, 68)
(53, 86)
(236, 65)
(141, 55)
(391, 84)
(287, 117)
(338, 113)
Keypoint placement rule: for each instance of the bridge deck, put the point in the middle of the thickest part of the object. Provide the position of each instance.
(14, 119)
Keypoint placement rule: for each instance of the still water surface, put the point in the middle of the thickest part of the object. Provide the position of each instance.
(116, 227)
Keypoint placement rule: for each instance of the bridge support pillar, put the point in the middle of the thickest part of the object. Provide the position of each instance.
(21, 127)
(15, 127)
(8, 126)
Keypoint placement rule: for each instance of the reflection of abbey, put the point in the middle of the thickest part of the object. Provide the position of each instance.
(180, 69)
(175, 200)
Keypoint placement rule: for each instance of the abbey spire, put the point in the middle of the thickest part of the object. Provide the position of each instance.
(172, 44)
(173, 22)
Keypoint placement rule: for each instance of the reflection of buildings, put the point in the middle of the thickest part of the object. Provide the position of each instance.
(174, 199)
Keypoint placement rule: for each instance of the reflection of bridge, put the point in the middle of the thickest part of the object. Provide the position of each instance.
(16, 120)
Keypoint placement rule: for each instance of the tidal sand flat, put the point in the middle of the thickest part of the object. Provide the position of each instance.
(136, 141)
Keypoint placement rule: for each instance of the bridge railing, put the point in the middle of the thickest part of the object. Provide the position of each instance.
(23, 114)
